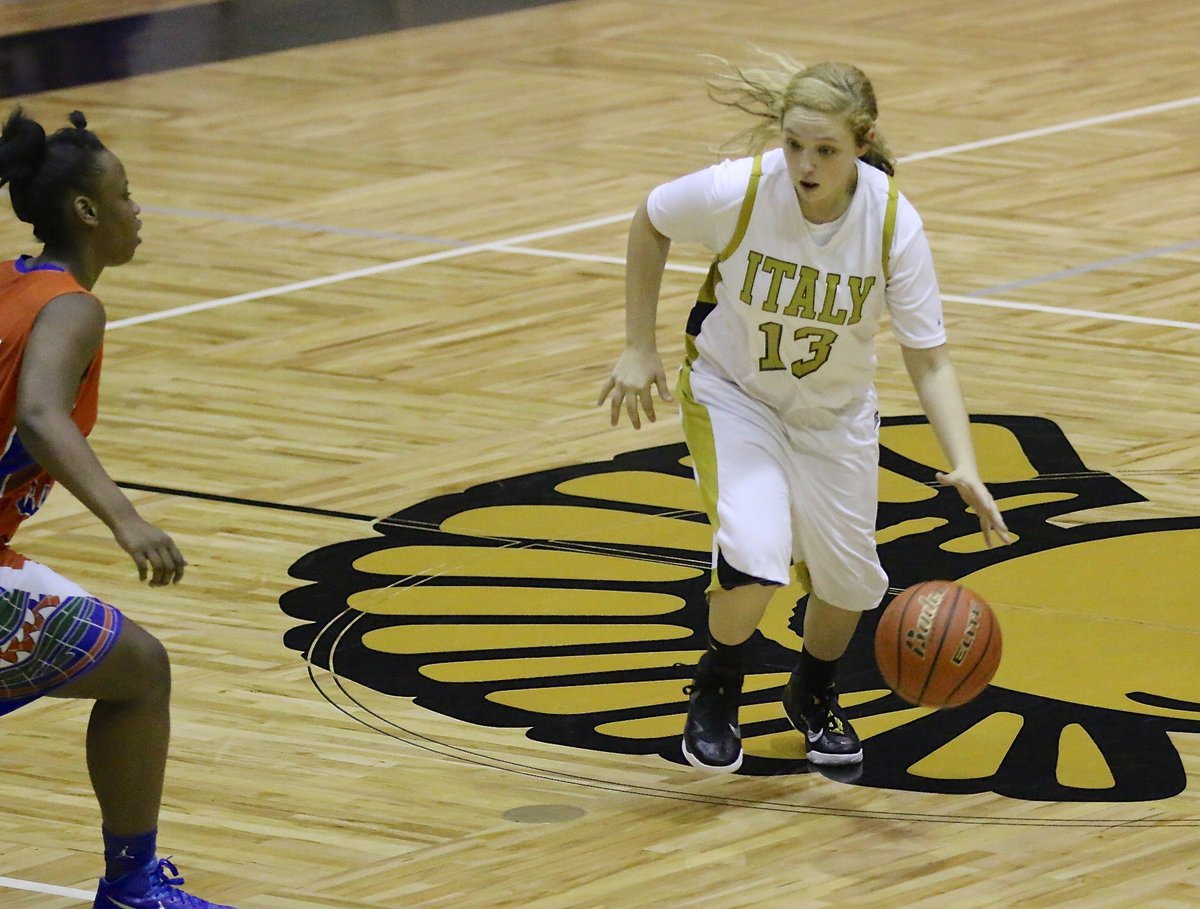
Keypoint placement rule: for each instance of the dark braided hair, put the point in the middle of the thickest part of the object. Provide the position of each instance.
(42, 172)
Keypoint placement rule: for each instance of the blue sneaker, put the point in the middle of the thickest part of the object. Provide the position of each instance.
(149, 888)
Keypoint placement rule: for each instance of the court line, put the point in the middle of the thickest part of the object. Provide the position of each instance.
(970, 300)
(51, 889)
(1067, 311)
(1090, 267)
(306, 226)
(442, 241)
(976, 299)
(611, 219)
(1060, 128)
(588, 257)
(362, 272)
(502, 246)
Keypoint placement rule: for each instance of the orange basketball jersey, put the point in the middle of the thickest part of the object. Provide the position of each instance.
(23, 293)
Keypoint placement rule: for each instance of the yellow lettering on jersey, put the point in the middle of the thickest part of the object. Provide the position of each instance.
(803, 302)
(820, 342)
(773, 334)
(753, 260)
(860, 289)
(828, 313)
(778, 269)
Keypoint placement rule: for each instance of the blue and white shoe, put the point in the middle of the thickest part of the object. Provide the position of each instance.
(149, 888)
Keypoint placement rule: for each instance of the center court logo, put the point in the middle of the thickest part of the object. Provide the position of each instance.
(570, 603)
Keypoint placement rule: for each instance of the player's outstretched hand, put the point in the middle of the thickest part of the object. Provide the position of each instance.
(976, 495)
(152, 550)
(636, 372)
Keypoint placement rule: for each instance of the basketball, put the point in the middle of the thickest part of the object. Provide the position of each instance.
(937, 644)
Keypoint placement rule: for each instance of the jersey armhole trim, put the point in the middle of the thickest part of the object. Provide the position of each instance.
(743, 220)
(889, 224)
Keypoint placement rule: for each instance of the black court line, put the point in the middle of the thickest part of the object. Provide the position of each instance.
(256, 503)
(356, 516)
(228, 30)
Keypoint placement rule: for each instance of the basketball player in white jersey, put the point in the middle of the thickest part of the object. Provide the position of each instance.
(812, 244)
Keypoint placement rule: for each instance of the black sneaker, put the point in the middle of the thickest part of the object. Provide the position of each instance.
(830, 737)
(711, 737)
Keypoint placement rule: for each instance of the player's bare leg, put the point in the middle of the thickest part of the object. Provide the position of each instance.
(733, 615)
(827, 628)
(129, 729)
(127, 740)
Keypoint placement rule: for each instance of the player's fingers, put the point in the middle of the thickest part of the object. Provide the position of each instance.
(647, 401)
(152, 569)
(1002, 529)
(664, 390)
(178, 563)
(162, 568)
(993, 526)
(631, 408)
(615, 408)
(606, 390)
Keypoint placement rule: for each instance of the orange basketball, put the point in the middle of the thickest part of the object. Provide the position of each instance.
(937, 644)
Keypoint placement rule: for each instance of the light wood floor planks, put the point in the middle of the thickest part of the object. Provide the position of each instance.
(459, 365)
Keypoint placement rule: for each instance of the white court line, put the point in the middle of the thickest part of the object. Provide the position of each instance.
(1067, 311)
(950, 298)
(587, 257)
(1050, 130)
(610, 219)
(34, 887)
(363, 272)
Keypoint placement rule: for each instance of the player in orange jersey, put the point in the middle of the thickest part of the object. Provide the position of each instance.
(56, 639)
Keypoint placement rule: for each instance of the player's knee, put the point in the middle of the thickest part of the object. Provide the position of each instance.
(147, 661)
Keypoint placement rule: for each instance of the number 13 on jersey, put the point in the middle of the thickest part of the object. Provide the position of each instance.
(819, 343)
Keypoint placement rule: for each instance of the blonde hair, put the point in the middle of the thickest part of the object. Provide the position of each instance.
(770, 91)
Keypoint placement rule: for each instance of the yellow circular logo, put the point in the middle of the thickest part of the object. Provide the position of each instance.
(570, 603)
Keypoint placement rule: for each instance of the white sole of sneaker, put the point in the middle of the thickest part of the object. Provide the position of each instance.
(700, 765)
(834, 760)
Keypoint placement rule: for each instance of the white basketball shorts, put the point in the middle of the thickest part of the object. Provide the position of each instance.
(778, 494)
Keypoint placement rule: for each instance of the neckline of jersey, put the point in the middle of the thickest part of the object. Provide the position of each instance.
(22, 265)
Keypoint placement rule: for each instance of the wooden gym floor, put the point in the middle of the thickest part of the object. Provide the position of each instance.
(425, 654)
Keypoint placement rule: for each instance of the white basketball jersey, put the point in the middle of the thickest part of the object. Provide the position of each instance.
(786, 313)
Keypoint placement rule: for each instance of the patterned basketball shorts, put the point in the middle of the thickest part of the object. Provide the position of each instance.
(51, 631)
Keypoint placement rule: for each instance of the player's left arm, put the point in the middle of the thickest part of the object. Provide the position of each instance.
(936, 382)
(66, 335)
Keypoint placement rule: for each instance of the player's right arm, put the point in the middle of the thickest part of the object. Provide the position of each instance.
(64, 340)
(639, 367)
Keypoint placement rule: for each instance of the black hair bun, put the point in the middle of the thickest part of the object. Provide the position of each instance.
(22, 148)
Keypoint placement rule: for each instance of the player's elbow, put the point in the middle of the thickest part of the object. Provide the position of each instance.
(37, 421)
